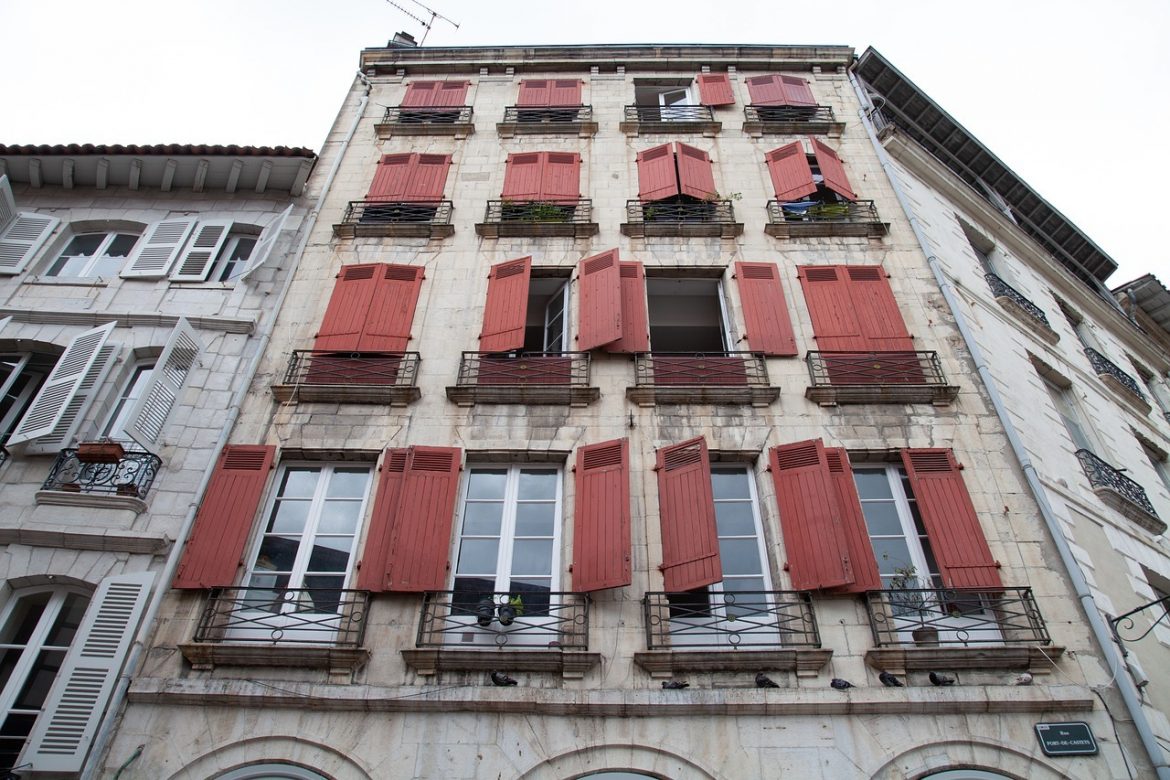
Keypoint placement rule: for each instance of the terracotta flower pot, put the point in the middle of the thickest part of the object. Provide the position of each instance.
(100, 452)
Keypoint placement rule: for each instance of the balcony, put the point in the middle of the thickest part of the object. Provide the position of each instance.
(701, 377)
(705, 631)
(547, 120)
(523, 378)
(537, 219)
(527, 630)
(1119, 381)
(640, 120)
(433, 120)
(1023, 309)
(400, 219)
(295, 627)
(807, 219)
(116, 475)
(1120, 492)
(699, 218)
(791, 120)
(877, 378)
(350, 377)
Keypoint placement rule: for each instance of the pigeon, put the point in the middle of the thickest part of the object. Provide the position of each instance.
(890, 681)
(941, 679)
(499, 678)
(1023, 679)
(841, 685)
(674, 685)
(764, 681)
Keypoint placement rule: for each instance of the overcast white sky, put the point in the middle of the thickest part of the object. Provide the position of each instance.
(1070, 94)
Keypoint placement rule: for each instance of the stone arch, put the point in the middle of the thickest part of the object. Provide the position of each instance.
(293, 751)
(649, 761)
(922, 762)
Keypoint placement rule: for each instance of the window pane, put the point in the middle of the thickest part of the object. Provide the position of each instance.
(487, 483)
(482, 518)
(39, 680)
(84, 245)
(288, 517)
(69, 266)
(68, 619)
(533, 593)
(299, 482)
(872, 484)
(330, 553)
(740, 556)
(277, 554)
(735, 518)
(348, 483)
(339, 517)
(121, 245)
(729, 484)
(538, 484)
(532, 556)
(881, 517)
(106, 266)
(535, 519)
(891, 554)
(24, 618)
(478, 556)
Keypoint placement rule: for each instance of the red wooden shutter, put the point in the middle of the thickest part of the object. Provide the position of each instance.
(835, 324)
(769, 328)
(818, 555)
(695, 176)
(600, 300)
(420, 94)
(715, 89)
(791, 174)
(391, 176)
(420, 545)
(391, 312)
(635, 323)
(657, 176)
(601, 517)
(873, 304)
(451, 93)
(796, 91)
(560, 177)
(426, 177)
(215, 548)
(960, 548)
(832, 170)
(565, 92)
(349, 306)
(865, 569)
(374, 570)
(766, 90)
(523, 176)
(506, 308)
(686, 507)
(533, 92)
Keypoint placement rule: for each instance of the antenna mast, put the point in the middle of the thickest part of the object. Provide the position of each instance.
(426, 25)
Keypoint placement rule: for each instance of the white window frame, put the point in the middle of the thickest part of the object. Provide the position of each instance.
(111, 235)
(9, 420)
(234, 238)
(560, 299)
(725, 332)
(665, 112)
(139, 375)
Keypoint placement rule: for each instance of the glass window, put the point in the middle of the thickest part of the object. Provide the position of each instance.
(115, 428)
(233, 257)
(93, 255)
(895, 527)
(21, 376)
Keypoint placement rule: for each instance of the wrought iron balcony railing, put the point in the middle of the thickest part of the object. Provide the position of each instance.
(359, 377)
(130, 473)
(757, 619)
(681, 218)
(523, 377)
(877, 377)
(395, 218)
(527, 618)
(548, 115)
(1107, 368)
(1001, 289)
(429, 115)
(857, 212)
(701, 377)
(285, 616)
(669, 114)
(791, 119)
(1102, 476)
(571, 217)
(955, 617)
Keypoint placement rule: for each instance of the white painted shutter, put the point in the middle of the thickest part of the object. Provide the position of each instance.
(157, 250)
(268, 237)
(7, 204)
(21, 233)
(64, 730)
(154, 405)
(4, 322)
(75, 368)
(202, 250)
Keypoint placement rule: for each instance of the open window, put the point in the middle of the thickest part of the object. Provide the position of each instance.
(22, 233)
(665, 100)
(687, 314)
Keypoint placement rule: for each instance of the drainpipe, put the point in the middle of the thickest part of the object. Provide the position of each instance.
(1102, 634)
(131, 668)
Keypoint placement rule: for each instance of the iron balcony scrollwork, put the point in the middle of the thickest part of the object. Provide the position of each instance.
(396, 218)
(676, 113)
(756, 619)
(548, 115)
(1001, 289)
(1124, 623)
(679, 217)
(427, 115)
(700, 368)
(787, 114)
(955, 617)
(131, 475)
(333, 367)
(1107, 368)
(530, 619)
(878, 377)
(1103, 476)
(523, 377)
(295, 616)
(789, 219)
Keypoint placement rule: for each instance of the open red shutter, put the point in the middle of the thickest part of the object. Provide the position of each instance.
(832, 170)
(391, 312)
(766, 90)
(561, 177)
(523, 176)
(695, 176)
(600, 310)
(533, 92)
(565, 92)
(835, 324)
(349, 307)
(391, 176)
(865, 570)
(960, 548)
(818, 556)
(877, 312)
(223, 523)
(657, 177)
(506, 308)
(791, 174)
(769, 328)
(420, 94)
(451, 93)
(715, 89)
(797, 91)
(601, 517)
(686, 508)
(426, 177)
(374, 569)
(420, 544)
(635, 323)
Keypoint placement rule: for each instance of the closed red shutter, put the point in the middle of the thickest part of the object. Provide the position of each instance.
(956, 537)
(391, 176)
(523, 176)
(534, 92)
(601, 517)
(349, 307)
(451, 93)
(865, 570)
(715, 89)
(420, 94)
(565, 92)
(635, 323)
(600, 300)
(374, 569)
(391, 312)
(877, 311)
(769, 328)
(506, 308)
(657, 176)
(420, 544)
(561, 177)
(796, 91)
(686, 507)
(426, 177)
(832, 170)
(215, 548)
(766, 90)
(818, 555)
(791, 174)
(695, 176)
(835, 324)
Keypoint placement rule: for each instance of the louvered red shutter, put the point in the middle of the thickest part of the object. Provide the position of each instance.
(426, 177)
(391, 308)
(818, 555)
(565, 92)
(601, 517)
(860, 551)
(796, 91)
(215, 548)
(349, 306)
(879, 318)
(686, 508)
(533, 92)
(766, 90)
(695, 176)
(835, 324)
(791, 174)
(956, 537)
(560, 177)
(506, 308)
(832, 170)
(635, 323)
(420, 544)
(390, 179)
(600, 307)
(523, 176)
(451, 93)
(420, 94)
(374, 569)
(715, 89)
(769, 328)
(657, 176)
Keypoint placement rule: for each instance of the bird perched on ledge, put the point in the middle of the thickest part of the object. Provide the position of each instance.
(890, 681)
(841, 685)
(1024, 678)
(499, 678)
(675, 685)
(941, 679)
(764, 681)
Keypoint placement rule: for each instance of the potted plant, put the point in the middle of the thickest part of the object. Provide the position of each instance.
(910, 598)
(104, 451)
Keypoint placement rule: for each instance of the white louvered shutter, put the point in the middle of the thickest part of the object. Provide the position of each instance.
(157, 250)
(202, 250)
(69, 426)
(75, 368)
(64, 730)
(154, 405)
(21, 233)
(268, 237)
(4, 322)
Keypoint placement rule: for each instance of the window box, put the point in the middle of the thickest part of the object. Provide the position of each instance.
(547, 120)
(357, 377)
(807, 219)
(100, 452)
(701, 377)
(791, 120)
(524, 378)
(877, 377)
(426, 120)
(398, 219)
(569, 218)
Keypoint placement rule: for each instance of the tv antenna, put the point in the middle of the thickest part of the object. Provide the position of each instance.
(426, 25)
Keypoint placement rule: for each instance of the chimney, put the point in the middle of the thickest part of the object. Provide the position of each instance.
(402, 40)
